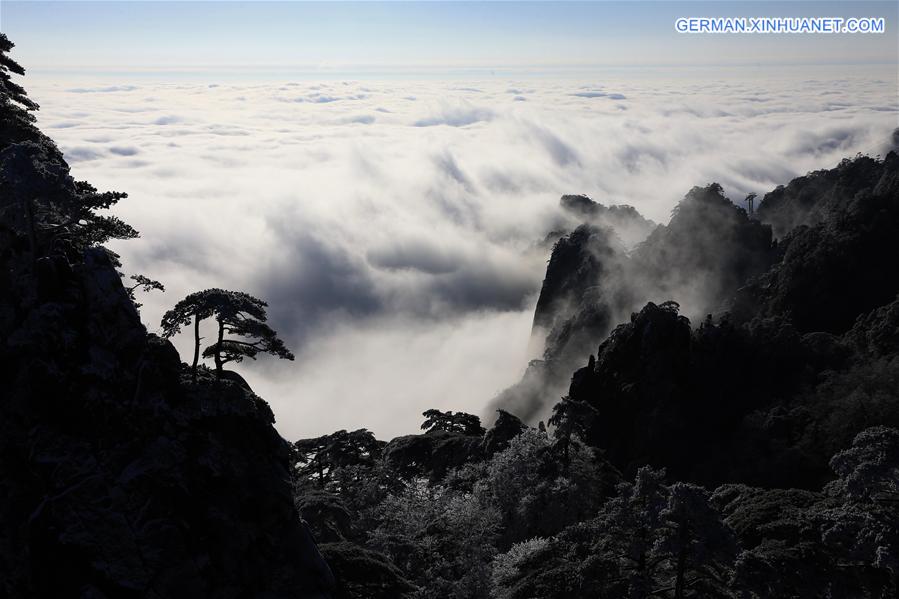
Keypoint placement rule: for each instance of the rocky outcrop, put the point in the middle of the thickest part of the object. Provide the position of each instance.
(121, 476)
(707, 251)
(575, 309)
(577, 264)
(629, 225)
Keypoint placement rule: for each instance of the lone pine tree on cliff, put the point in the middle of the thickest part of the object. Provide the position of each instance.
(239, 315)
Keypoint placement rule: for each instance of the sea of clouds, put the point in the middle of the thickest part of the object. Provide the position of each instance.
(395, 227)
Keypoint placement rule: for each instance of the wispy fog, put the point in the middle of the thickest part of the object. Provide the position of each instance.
(395, 227)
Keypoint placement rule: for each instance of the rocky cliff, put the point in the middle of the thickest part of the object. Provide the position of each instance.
(122, 477)
(593, 281)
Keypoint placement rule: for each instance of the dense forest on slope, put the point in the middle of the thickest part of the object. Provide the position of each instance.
(715, 415)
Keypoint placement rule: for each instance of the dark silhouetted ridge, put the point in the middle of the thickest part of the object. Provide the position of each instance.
(122, 477)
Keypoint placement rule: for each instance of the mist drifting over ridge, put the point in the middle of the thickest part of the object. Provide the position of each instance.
(394, 226)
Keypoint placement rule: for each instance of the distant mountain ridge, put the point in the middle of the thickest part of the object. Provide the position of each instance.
(785, 317)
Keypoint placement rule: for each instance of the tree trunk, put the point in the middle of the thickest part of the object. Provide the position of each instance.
(641, 561)
(32, 236)
(679, 582)
(218, 350)
(196, 345)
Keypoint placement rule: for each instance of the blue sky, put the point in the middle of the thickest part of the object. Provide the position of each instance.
(164, 36)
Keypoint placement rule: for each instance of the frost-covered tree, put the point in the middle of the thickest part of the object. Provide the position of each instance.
(865, 528)
(571, 419)
(442, 540)
(652, 540)
(632, 522)
(695, 548)
(361, 573)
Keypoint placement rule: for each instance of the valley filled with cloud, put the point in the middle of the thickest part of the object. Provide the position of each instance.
(397, 228)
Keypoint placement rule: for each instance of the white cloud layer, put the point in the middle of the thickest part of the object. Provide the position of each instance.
(393, 226)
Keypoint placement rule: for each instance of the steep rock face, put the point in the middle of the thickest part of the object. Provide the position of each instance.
(574, 310)
(707, 251)
(628, 224)
(577, 263)
(122, 477)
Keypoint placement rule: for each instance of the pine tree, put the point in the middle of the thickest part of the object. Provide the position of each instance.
(237, 314)
(695, 546)
(37, 192)
(631, 523)
(866, 526)
(15, 105)
(452, 422)
(571, 419)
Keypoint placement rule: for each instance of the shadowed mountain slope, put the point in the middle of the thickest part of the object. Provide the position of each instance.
(765, 394)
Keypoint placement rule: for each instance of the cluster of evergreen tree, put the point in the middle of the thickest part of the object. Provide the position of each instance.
(541, 515)
(39, 199)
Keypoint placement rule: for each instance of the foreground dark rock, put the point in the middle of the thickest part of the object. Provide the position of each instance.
(121, 475)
